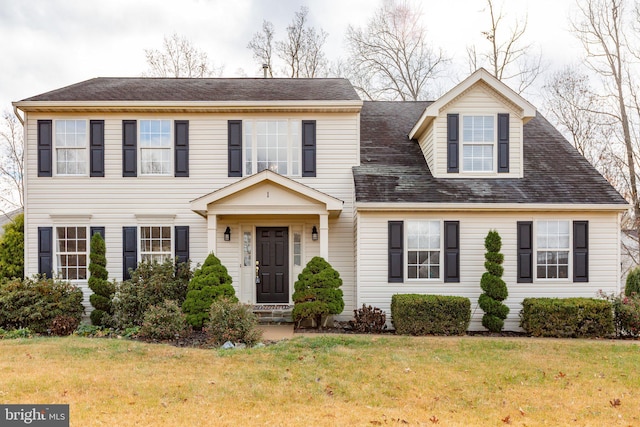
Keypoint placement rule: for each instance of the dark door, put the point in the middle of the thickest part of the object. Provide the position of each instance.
(272, 257)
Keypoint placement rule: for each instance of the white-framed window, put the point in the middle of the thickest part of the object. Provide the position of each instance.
(552, 249)
(297, 249)
(247, 249)
(273, 145)
(423, 249)
(71, 252)
(71, 147)
(155, 147)
(155, 243)
(478, 142)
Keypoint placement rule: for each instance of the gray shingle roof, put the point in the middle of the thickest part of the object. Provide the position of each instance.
(393, 168)
(176, 89)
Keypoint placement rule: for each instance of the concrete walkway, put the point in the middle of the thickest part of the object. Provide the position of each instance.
(278, 332)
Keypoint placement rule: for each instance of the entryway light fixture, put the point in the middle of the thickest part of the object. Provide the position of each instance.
(314, 233)
(227, 234)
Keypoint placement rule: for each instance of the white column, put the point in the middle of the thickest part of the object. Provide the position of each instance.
(324, 236)
(212, 232)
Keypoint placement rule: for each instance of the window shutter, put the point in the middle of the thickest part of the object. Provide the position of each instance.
(452, 251)
(129, 148)
(309, 148)
(235, 148)
(96, 148)
(97, 230)
(453, 139)
(525, 252)
(181, 147)
(396, 251)
(45, 148)
(45, 251)
(580, 251)
(182, 243)
(503, 143)
(129, 251)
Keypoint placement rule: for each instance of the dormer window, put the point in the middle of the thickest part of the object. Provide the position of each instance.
(478, 140)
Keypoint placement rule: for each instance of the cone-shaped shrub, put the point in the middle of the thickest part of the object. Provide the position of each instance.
(317, 291)
(495, 290)
(12, 249)
(632, 285)
(103, 290)
(209, 282)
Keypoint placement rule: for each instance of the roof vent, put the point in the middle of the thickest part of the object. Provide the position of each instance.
(265, 68)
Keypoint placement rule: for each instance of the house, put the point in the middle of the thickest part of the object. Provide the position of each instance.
(267, 173)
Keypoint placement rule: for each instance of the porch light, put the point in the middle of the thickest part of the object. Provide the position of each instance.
(314, 233)
(227, 234)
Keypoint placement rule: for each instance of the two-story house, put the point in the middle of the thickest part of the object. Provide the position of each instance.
(267, 173)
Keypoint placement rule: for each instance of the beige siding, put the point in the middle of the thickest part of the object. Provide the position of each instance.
(372, 259)
(427, 144)
(114, 201)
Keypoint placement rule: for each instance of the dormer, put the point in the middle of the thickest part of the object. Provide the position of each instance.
(475, 130)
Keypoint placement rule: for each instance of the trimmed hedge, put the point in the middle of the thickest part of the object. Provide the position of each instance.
(567, 317)
(415, 314)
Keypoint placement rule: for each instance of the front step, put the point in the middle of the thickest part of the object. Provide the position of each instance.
(273, 313)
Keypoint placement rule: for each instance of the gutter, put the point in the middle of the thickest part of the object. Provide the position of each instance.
(15, 111)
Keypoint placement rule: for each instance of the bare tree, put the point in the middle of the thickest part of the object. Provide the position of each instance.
(390, 58)
(509, 58)
(179, 58)
(11, 163)
(262, 46)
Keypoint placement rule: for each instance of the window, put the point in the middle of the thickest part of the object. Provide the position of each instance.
(297, 249)
(155, 244)
(273, 145)
(423, 249)
(478, 140)
(71, 147)
(71, 252)
(247, 246)
(552, 239)
(155, 147)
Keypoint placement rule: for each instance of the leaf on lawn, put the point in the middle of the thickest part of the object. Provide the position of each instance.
(560, 375)
(300, 357)
(399, 421)
(407, 370)
(375, 423)
(434, 419)
(328, 391)
(507, 419)
(615, 403)
(522, 412)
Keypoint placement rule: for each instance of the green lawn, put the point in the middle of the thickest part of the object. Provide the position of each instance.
(330, 380)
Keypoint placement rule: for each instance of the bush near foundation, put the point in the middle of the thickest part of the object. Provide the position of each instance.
(164, 321)
(495, 289)
(632, 285)
(103, 290)
(414, 314)
(317, 292)
(567, 317)
(232, 321)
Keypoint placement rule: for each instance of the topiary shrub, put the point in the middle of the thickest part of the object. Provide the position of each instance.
(317, 292)
(369, 320)
(414, 314)
(232, 321)
(103, 290)
(209, 282)
(12, 249)
(495, 289)
(632, 285)
(164, 321)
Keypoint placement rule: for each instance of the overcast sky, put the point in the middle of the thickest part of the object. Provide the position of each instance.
(48, 44)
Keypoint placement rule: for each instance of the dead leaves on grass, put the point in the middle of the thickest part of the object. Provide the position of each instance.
(615, 402)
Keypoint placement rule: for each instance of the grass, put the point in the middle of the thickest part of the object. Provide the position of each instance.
(330, 380)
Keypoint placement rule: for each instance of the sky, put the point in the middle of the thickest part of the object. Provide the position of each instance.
(48, 44)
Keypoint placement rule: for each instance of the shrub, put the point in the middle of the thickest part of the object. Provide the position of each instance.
(64, 325)
(414, 314)
(567, 317)
(232, 321)
(150, 284)
(103, 290)
(369, 320)
(164, 321)
(495, 290)
(626, 313)
(12, 249)
(632, 285)
(209, 282)
(317, 292)
(35, 302)
(15, 333)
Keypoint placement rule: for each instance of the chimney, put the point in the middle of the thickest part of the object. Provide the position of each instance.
(265, 68)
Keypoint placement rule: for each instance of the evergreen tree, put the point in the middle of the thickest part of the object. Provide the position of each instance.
(495, 290)
(317, 291)
(12, 249)
(103, 290)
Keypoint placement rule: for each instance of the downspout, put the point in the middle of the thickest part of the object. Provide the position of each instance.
(20, 119)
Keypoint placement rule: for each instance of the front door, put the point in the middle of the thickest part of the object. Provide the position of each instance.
(272, 259)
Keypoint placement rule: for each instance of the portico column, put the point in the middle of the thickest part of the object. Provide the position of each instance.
(212, 232)
(324, 236)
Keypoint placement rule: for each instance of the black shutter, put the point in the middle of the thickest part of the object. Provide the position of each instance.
(129, 251)
(129, 148)
(453, 139)
(452, 251)
(396, 251)
(45, 251)
(503, 143)
(182, 243)
(97, 230)
(235, 147)
(45, 148)
(580, 251)
(525, 252)
(96, 148)
(181, 155)
(309, 148)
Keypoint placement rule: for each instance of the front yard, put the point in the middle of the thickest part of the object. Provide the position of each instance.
(330, 380)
